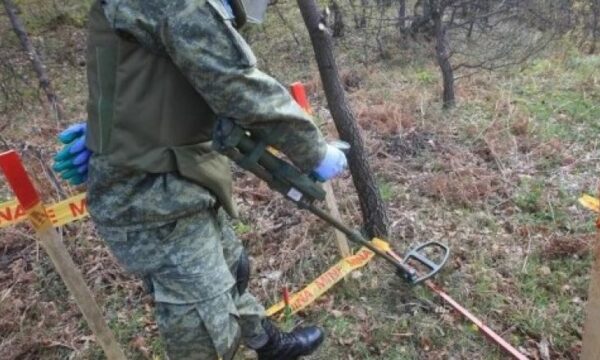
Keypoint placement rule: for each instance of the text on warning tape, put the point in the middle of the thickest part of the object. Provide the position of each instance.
(64, 212)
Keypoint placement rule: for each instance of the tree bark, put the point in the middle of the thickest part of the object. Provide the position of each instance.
(338, 20)
(595, 24)
(442, 54)
(372, 206)
(402, 16)
(35, 59)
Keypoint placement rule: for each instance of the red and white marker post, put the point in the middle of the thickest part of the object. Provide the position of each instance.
(299, 94)
(19, 181)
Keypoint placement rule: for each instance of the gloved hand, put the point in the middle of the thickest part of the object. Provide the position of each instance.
(332, 164)
(72, 161)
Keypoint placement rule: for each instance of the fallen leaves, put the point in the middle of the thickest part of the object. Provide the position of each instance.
(139, 343)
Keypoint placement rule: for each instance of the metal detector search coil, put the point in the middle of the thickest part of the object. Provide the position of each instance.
(416, 254)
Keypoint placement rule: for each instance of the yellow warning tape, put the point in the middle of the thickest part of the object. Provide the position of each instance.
(590, 202)
(64, 212)
(325, 281)
(75, 208)
(38, 216)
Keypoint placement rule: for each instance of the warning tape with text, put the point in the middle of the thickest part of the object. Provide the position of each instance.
(324, 282)
(75, 208)
(61, 213)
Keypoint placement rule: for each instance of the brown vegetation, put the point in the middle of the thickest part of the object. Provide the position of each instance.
(497, 178)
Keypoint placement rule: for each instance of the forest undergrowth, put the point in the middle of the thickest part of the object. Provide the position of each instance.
(497, 178)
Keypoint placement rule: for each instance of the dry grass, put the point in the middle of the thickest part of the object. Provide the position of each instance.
(496, 178)
(463, 187)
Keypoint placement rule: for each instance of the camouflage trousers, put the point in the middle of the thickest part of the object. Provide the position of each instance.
(190, 266)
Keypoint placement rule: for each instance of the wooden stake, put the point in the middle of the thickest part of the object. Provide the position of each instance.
(50, 241)
(299, 94)
(591, 329)
(340, 238)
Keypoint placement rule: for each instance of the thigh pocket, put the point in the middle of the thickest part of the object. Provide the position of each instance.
(192, 288)
(194, 268)
(140, 249)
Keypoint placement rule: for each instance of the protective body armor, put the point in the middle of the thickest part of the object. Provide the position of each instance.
(144, 115)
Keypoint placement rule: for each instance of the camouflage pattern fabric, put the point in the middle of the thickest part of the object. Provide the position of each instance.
(163, 226)
(249, 309)
(188, 266)
(124, 197)
(200, 39)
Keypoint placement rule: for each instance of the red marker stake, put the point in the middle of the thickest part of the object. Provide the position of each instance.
(299, 94)
(287, 312)
(19, 181)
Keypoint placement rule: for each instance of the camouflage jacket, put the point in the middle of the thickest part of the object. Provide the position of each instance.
(200, 39)
(198, 36)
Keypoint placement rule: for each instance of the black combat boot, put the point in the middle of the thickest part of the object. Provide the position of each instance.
(289, 346)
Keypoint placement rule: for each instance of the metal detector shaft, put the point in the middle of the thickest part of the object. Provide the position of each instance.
(352, 235)
(409, 272)
(253, 156)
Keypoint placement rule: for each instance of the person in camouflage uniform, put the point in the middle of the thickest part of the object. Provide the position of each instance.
(161, 218)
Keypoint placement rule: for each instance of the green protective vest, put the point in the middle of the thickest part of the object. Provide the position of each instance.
(143, 114)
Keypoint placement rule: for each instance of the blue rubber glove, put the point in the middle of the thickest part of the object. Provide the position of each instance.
(332, 164)
(72, 160)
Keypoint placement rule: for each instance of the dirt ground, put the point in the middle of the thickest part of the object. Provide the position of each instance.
(497, 179)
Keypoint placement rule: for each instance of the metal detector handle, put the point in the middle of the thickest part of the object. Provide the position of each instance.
(416, 254)
(253, 155)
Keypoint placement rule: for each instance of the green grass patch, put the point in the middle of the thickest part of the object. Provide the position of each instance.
(541, 204)
(560, 99)
(426, 77)
(387, 191)
(40, 16)
(552, 292)
(529, 196)
(241, 228)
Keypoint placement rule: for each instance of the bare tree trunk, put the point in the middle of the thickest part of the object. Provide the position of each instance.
(470, 31)
(402, 16)
(382, 51)
(595, 25)
(422, 17)
(364, 4)
(338, 20)
(287, 24)
(354, 14)
(35, 59)
(442, 54)
(372, 206)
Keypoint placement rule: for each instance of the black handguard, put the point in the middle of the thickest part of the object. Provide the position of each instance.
(254, 155)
